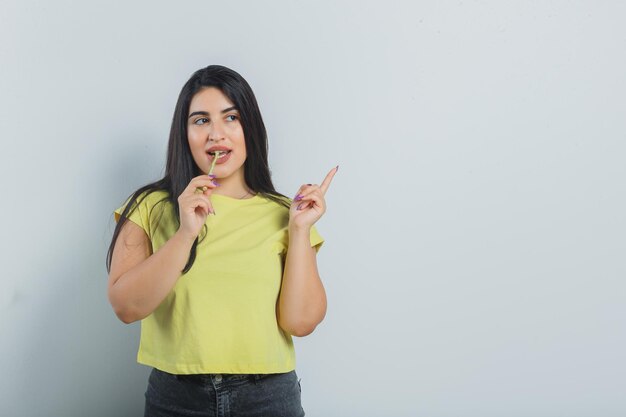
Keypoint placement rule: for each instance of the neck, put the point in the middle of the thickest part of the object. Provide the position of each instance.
(233, 186)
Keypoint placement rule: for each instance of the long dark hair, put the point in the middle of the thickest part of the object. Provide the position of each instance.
(181, 167)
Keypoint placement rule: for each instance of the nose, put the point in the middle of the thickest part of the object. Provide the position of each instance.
(216, 133)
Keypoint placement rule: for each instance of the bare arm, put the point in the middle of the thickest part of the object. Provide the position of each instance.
(140, 280)
(302, 300)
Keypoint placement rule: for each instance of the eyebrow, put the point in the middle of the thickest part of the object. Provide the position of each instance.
(204, 113)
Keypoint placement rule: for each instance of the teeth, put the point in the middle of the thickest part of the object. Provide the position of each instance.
(222, 153)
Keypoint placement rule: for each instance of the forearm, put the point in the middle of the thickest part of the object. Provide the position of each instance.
(140, 290)
(302, 300)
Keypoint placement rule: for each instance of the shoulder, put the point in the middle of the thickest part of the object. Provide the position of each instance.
(278, 202)
(145, 200)
(153, 197)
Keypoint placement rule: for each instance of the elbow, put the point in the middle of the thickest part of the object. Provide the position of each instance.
(305, 331)
(299, 329)
(301, 326)
(126, 316)
(126, 319)
(123, 312)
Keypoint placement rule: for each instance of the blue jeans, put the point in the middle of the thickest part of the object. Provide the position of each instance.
(223, 395)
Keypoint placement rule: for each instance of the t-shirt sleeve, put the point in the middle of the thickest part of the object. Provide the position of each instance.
(316, 239)
(140, 214)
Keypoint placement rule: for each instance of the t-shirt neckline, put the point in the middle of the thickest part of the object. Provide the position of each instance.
(236, 200)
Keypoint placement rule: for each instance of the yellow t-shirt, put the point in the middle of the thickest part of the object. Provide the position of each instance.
(220, 317)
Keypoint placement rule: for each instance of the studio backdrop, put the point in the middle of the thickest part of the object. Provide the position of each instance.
(474, 235)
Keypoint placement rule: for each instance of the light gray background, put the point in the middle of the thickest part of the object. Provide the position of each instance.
(475, 230)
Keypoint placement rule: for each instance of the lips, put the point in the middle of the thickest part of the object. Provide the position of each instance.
(224, 156)
(212, 149)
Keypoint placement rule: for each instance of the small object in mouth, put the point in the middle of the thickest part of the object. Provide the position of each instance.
(217, 156)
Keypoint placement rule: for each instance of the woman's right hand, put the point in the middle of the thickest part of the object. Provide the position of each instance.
(194, 205)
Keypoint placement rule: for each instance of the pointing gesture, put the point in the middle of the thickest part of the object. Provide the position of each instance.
(309, 204)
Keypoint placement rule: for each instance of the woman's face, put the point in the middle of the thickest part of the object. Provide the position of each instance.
(213, 121)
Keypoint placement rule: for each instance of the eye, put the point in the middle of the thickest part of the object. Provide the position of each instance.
(203, 119)
(232, 115)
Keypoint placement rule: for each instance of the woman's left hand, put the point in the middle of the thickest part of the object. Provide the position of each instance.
(308, 208)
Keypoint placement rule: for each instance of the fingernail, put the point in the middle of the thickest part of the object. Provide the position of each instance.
(337, 168)
(212, 175)
(298, 197)
(216, 183)
(298, 208)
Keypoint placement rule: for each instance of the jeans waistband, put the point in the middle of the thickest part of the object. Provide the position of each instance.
(221, 377)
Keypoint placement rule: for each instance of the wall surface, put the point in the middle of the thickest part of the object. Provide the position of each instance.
(475, 231)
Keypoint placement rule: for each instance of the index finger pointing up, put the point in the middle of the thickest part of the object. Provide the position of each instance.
(328, 179)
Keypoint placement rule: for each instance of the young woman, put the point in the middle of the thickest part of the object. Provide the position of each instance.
(221, 269)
